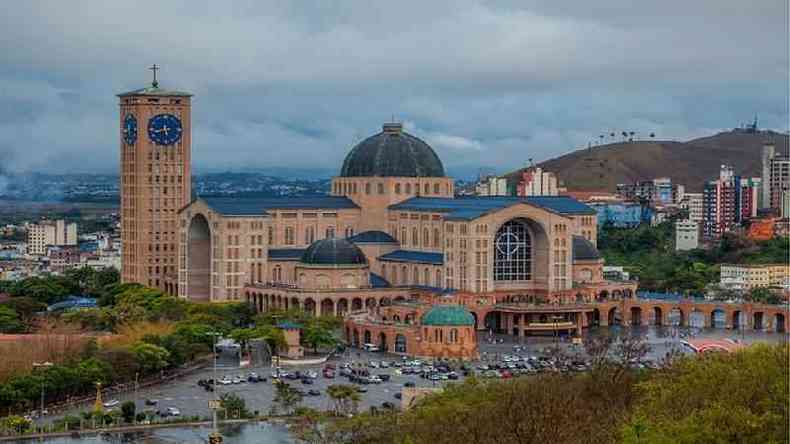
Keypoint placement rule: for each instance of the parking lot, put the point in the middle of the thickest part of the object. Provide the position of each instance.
(496, 351)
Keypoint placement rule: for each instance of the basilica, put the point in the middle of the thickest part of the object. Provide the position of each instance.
(411, 268)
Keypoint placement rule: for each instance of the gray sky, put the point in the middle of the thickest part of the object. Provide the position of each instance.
(296, 84)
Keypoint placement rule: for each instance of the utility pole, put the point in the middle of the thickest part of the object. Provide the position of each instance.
(40, 365)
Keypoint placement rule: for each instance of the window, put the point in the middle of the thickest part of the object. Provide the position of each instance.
(513, 252)
(415, 237)
(381, 188)
(408, 188)
(330, 232)
(427, 189)
(289, 236)
(426, 237)
(309, 235)
(436, 243)
(397, 188)
(436, 188)
(367, 188)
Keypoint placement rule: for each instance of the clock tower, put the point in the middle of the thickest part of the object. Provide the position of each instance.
(156, 152)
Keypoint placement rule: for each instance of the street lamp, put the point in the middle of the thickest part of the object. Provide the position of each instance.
(40, 365)
(215, 437)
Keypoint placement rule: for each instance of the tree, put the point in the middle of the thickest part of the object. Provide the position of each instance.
(151, 357)
(26, 307)
(345, 398)
(235, 406)
(746, 404)
(317, 336)
(128, 411)
(9, 320)
(286, 397)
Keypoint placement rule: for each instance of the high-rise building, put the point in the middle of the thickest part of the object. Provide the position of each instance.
(776, 177)
(50, 233)
(536, 182)
(658, 191)
(693, 203)
(491, 186)
(155, 181)
(728, 201)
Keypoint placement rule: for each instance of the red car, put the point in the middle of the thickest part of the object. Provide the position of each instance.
(329, 374)
(505, 374)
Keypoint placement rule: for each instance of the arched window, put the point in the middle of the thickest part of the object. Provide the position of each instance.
(439, 278)
(415, 237)
(404, 275)
(403, 238)
(380, 188)
(436, 188)
(367, 188)
(513, 252)
(415, 276)
(309, 235)
(427, 189)
(408, 188)
(436, 238)
(397, 188)
(426, 276)
(330, 232)
(426, 237)
(453, 336)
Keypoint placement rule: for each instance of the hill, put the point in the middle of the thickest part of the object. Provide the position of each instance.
(689, 163)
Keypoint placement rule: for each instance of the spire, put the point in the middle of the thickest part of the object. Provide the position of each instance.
(154, 68)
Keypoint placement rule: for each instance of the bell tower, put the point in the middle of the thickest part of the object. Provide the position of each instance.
(156, 152)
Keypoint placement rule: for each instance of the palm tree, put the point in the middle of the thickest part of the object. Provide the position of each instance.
(344, 397)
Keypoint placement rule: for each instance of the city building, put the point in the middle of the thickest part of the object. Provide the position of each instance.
(155, 147)
(491, 186)
(727, 202)
(622, 214)
(747, 277)
(536, 182)
(693, 203)
(658, 191)
(686, 235)
(775, 177)
(50, 233)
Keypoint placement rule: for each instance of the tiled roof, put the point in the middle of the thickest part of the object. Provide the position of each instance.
(372, 237)
(258, 206)
(377, 281)
(584, 249)
(453, 315)
(417, 257)
(285, 254)
(467, 208)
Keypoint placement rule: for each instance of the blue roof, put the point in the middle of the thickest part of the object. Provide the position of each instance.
(285, 254)
(377, 281)
(467, 208)
(258, 206)
(417, 257)
(372, 237)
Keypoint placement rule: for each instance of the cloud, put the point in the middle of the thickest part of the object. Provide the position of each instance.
(298, 83)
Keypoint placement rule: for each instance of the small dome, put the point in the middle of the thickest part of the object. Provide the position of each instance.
(441, 315)
(392, 153)
(333, 251)
(584, 250)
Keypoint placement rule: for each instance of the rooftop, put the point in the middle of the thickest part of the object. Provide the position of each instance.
(155, 91)
(468, 208)
(452, 315)
(414, 257)
(259, 206)
(372, 237)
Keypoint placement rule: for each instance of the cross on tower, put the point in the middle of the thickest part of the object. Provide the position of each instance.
(154, 68)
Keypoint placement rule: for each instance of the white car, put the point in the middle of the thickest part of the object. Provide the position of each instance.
(172, 411)
(111, 403)
(311, 374)
(225, 381)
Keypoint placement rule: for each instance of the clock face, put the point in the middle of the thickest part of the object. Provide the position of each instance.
(130, 129)
(164, 129)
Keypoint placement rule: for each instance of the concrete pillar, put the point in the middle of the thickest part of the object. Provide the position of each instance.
(579, 317)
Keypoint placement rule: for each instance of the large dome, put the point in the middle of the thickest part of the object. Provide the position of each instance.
(333, 251)
(392, 153)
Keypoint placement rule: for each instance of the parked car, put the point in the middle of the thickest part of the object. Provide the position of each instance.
(409, 384)
(314, 392)
(150, 401)
(111, 403)
(170, 411)
(370, 347)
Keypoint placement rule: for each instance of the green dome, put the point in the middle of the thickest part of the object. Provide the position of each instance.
(441, 315)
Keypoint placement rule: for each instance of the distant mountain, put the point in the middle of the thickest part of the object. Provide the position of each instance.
(689, 163)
